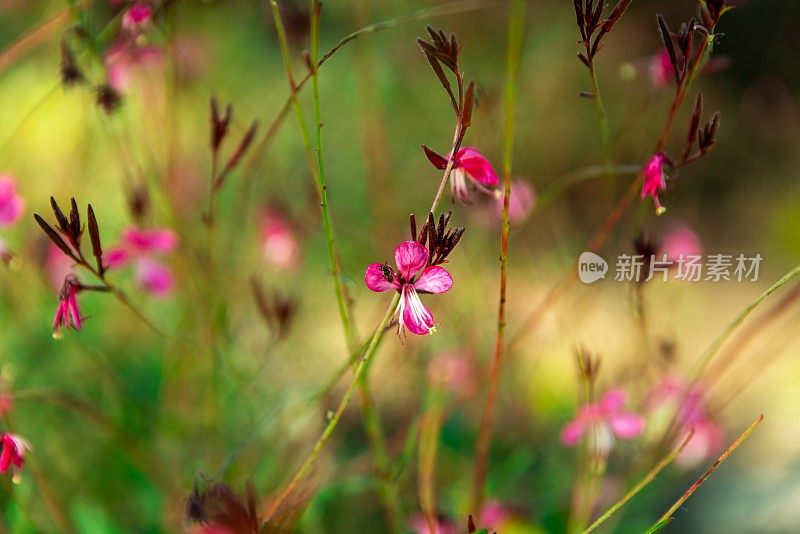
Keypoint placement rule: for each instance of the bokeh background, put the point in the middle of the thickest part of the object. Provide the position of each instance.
(122, 421)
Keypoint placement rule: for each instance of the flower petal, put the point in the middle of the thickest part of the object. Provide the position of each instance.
(154, 278)
(572, 433)
(626, 425)
(410, 258)
(413, 313)
(434, 279)
(155, 240)
(613, 400)
(116, 257)
(477, 166)
(375, 278)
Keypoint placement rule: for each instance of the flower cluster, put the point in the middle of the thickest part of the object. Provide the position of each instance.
(141, 248)
(603, 422)
(13, 452)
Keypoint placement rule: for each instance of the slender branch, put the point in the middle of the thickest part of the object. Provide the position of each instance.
(516, 34)
(674, 508)
(647, 479)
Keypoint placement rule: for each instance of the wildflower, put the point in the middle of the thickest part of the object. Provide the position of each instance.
(68, 314)
(603, 422)
(141, 247)
(494, 515)
(521, 203)
(655, 180)
(11, 204)
(414, 274)
(468, 163)
(123, 59)
(13, 452)
(661, 70)
(680, 242)
(279, 242)
(137, 17)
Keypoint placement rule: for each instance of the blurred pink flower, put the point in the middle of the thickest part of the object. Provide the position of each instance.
(137, 17)
(11, 204)
(68, 314)
(419, 525)
(471, 164)
(125, 58)
(493, 516)
(680, 241)
(141, 247)
(13, 453)
(655, 180)
(603, 422)
(58, 265)
(280, 245)
(413, 275)
(523, 200)
(454, 371)
(661, 69)
(688, 408)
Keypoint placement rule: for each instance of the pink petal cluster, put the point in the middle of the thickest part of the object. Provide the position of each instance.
(141, 247)
(709, 437)
(13, 453)
(680, 241)
(137, 17)
(126, 57)
(471, 170)
(279, 242)
(419, 525)
(413, 276)
(602, 422)
(661, 69)
(11, 204)
(655, 180)
(68, 314)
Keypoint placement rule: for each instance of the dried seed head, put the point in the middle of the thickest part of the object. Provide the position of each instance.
(108, 98)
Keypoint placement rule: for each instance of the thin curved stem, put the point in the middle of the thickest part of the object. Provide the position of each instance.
(361, 369)
(647, 479)
(516, 34)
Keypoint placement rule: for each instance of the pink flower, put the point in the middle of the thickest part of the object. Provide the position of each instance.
(493, 516)
(124, 58)
(141, 247)
(680, 241)
(137, 17)
(655, 180)
(661, 69)
(470, 164)
(522, 202)
(454, 371)
(279, 241)
(13, 453)
(413, 275)
(603, 422)
(11, 205)
(670, 396)
(68, 314)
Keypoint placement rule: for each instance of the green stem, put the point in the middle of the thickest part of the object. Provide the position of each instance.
(602, 118)
(360, 370)
(674, 508)
(516, 34)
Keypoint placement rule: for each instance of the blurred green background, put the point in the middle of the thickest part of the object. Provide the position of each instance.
(122, 421)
